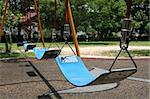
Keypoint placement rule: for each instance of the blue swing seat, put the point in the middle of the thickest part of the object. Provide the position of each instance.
(77, 74)
(25, 46)
(44, 53)
(75, 71)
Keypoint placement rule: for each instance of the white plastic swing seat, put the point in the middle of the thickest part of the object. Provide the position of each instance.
(77, 74)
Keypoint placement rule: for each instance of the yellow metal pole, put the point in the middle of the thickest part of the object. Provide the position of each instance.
(39, 23)
(3, 20)
(73, 30)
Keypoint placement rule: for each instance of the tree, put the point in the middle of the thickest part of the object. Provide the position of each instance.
(147, 27)
(140, 16)
(11, 21)
(103, 16)
(106, 16)
(46, 10)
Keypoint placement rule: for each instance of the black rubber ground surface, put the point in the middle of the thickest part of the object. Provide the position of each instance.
(20, 80)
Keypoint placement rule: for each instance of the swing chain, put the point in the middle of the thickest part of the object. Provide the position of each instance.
(124, 40)
(66, 42)
(126, 49)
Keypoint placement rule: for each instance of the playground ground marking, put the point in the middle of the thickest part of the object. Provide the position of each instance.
(139, 79)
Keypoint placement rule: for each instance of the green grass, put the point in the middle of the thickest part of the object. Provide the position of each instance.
(81, 44)
(16, 55)
(93, 43)
(140, 43)
(132, 52)
(110, 43)
(108, 53)
(1, 48)
(12, 55)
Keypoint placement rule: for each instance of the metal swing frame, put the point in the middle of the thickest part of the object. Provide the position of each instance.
(108, 76)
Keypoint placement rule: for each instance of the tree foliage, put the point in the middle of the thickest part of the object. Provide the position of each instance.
(102, 16)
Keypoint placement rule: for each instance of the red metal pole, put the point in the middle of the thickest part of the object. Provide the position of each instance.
(4, 19)
(55, 3)
(67, 14)
(129, 3)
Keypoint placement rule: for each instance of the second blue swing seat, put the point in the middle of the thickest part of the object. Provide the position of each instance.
(44, 53)
(77, 74)
(28, 46)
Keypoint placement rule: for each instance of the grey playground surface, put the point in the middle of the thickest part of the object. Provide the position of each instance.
(19, 80)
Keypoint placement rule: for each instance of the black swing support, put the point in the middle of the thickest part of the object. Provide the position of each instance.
(125, 35)
(116, 75)
(66, 38)
(66, 42)
(66, 33)
(123, 73)
(123, 48)
(120, 74)
(124, 41)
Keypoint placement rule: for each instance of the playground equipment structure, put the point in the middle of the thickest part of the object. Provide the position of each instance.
(41, 53)
(75, 71)
(73, 68)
